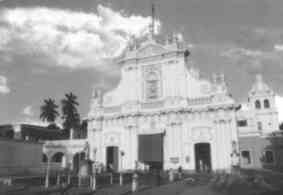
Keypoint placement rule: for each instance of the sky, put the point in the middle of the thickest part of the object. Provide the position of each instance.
(52, 47)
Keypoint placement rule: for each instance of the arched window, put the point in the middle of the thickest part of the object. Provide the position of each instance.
(266, 103)
(58, 157)
(152, 86)
(44, 158)
(257, 104)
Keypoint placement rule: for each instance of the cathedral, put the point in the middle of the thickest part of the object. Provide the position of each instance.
(162, 114)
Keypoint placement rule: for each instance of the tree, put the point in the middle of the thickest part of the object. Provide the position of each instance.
(48, 111)
(70, 115)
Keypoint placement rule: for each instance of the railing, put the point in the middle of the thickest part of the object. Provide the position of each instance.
(62, 182)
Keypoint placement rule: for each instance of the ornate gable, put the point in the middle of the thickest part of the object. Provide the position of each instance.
(150, 50)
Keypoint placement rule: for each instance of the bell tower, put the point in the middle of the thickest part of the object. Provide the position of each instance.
(262, 102)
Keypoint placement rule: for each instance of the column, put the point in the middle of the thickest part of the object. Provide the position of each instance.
(100, 149)
(165, 149)
(231, 139)
(130, 150)
(70, 158)
(191, 152)
(223, 144)
(47, 171)
(213, 145)
(182, 145)
(218, 146)
(227, 144)
(135, 146)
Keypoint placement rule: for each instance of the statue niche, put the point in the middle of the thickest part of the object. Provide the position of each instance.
(152, 85)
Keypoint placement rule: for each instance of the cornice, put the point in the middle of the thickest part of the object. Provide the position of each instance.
(151, 58)
(164, 112)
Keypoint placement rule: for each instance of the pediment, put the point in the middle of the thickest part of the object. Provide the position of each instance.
(151, 50)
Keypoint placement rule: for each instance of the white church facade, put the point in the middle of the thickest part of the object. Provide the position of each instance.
(164, 115)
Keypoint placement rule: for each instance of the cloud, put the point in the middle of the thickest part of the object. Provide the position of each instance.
(28, 111)
(278, 47)
(279, 104)
(236, 52)
(4, 89)
(71, 39)
(257, 38)
(253, 60)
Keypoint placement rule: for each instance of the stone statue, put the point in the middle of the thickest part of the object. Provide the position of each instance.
(96, 98)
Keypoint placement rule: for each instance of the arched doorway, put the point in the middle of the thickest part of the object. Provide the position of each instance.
(112, 158)
(57, 157)
(78, 157)
(202, 157)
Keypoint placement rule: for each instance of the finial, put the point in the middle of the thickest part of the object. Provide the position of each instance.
(152, 18)
(222, 78)
(186, 55)
(152, 25)
(214, 77)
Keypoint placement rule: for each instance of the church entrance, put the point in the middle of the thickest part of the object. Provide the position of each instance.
(202, 157)
(112, 158)
(150, 150)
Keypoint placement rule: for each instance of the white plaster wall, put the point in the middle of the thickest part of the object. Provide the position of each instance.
(178, 84)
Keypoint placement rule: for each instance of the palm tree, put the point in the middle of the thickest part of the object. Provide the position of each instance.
(48, 111)
(70, 113)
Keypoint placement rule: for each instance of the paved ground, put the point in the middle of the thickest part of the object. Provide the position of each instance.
(200, 190)
(114, 190)
(179, 188)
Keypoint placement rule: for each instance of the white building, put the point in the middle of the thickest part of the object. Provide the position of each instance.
(163, 114)
(160, 93)
(259, 139)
